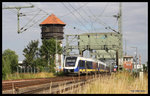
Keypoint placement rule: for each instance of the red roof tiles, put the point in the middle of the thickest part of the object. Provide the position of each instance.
(52, 19)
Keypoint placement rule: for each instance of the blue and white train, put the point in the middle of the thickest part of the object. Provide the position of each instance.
(81, 65)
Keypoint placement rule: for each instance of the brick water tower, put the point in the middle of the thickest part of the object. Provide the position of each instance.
(52, 27)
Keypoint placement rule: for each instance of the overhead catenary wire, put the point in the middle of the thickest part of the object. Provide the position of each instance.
(35, 22)
(12, 10)
(79, 13)
(75, 16)
(74, 10)
(89, 18)
(15, 12)
(75, 27)
(100, 21)
(104, 9)
(35, 16)
(90, 22)
(31, 19)
(44, 16)
(40, 9)
(94, 16)
(77, 9)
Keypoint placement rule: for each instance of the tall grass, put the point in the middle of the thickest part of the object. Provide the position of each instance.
(28, 75)
(119, 83)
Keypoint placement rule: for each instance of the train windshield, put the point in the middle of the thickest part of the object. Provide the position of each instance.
(70, 61)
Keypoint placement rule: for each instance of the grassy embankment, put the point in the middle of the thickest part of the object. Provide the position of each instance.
(119, 83)
(28, 75)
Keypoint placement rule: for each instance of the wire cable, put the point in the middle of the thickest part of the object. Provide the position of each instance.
(74, 10)
(31, 19)
(75, 16)
(100, 21)
(35, 22)
(104, 9)
(92, 26)
(79, 13)
(35, 16)
(13, 11)
(40, 9)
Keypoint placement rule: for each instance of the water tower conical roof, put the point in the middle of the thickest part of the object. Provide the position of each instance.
(52, 19)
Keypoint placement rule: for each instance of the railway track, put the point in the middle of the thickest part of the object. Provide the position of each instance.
(7, 85)
(29, 83)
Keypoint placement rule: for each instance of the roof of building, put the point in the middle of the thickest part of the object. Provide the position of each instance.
(52, 19)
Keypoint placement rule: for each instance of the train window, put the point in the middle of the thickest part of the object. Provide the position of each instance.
(94, 65)
(81, 63)
(101, 66)
(70, 61)
(89, 64)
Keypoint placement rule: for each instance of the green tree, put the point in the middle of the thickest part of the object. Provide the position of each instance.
(40, 63)
(9, 62)
(5, 66)
(30, 52)
(48, 51)
(10, 58)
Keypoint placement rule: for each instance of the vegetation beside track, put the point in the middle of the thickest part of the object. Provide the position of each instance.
(28, 75)
(119, 83)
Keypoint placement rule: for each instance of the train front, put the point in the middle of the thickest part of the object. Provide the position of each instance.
(70, 65)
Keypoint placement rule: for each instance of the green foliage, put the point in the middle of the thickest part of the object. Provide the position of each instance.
(28, 75)
(48, 51)
(6, 69)
(40, 62)
(46, 54)
(30, 53)
(49, 48)
(9, 62)
(12, 58)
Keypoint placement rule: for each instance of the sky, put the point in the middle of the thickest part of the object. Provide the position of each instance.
(86, 17)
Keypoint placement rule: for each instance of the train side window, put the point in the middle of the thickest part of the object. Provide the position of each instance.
(89, 64)
(94, 65)
(101, 65)
(81, 63)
